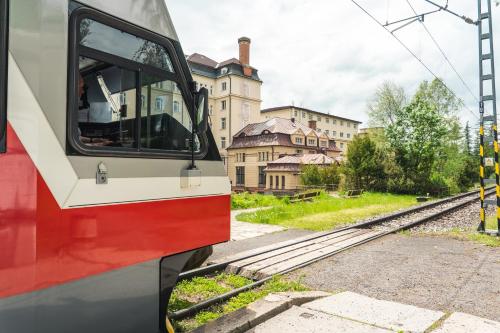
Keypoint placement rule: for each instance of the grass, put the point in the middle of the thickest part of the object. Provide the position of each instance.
(249, 200)
(188, 292)
(326, 212)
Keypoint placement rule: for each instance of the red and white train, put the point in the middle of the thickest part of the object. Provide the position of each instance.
(101, 204)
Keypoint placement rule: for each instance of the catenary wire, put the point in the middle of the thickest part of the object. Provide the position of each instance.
(414, 55)
(444, 54)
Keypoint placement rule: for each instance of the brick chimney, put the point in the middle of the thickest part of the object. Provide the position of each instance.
(244, 43)
(312, 124)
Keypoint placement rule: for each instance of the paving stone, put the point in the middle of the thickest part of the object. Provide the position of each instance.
(464, 323)
(245, 230)
(385, 314)
(299, 319)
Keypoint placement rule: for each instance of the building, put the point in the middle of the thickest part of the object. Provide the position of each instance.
(283, 174)
(234, 90)
(257, 144)
(342, 130)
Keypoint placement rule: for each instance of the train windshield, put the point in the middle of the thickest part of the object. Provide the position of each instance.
(129, 96)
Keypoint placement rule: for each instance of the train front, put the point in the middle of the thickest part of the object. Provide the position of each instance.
(111, 180)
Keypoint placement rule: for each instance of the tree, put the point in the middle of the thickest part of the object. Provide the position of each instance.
(364, 166)
(389, 100)
(416, 136)
(310, 175)
(330, 174)
(467, 140)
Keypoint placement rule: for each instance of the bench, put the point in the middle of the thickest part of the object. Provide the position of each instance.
(306, 196)
(353, 193)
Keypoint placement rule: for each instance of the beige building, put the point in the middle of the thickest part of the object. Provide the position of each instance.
(234, 89)
(283, 174)
(340, 129)
(260, 143)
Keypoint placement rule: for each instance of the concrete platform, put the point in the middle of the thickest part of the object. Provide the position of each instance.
(464, 323)
(389, 315)
(244, 230)
(300, 319)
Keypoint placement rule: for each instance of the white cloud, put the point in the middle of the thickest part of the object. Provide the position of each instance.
(328, 55)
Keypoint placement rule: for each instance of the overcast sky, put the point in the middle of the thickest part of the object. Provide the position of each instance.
(328, 55)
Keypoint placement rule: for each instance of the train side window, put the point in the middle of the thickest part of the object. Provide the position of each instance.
(129, 97)
(4, 23)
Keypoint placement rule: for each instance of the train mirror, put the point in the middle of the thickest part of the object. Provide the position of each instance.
(201, 115)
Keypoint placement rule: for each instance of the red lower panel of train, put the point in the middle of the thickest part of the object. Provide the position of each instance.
(42, 245)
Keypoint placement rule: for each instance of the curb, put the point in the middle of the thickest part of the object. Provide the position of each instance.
(259, 311)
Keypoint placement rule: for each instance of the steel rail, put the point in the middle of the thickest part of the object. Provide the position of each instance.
(181, 314)
(220, 266)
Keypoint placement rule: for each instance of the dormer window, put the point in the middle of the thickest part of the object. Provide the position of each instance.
(298, 140)
(223, 71)
(311, 142)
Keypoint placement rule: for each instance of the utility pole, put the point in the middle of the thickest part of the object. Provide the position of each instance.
(487, 104)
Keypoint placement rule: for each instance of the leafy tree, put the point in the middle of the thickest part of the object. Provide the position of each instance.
(310, 175)
(330, 174)
(467, 140)
(416, 136)
(364, 166)
(388, 101)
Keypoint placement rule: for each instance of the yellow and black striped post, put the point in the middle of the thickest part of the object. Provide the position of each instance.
(497, 171)
(481, 227)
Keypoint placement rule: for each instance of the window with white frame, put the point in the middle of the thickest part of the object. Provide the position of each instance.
(223, 105)
(223, 142)
(224, 86)
(223, 123)
(298, 140)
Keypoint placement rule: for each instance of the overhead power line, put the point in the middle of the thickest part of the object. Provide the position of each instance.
(444, 54)
(413, 54)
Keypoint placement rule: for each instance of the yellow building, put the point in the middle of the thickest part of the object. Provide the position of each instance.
(340, 129)
(257, 144)
(234, 89)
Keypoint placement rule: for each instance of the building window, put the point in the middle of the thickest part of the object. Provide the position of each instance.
(176, 107)
(310, 116)
(323, 143)
(355, 125)
(327, 120)
(223, 105)
(240, 157)
(349, 124)
(327, 132)
(262, 176)
(3, 73)
(143, 101)
(341, 134)
(240, 176)
(341, 145)
(223, 142)
(334, 121)
(348, 135)
(295, 113)
(311, 142)
(299, 151)
(283, 182)
(270, 181)
(267, 156)
(246, 89)
(298, 140)
(319, 118)
(334, 134)
(223, 123)
(277, 182)
(318, 130)
(211, 90)
(341, 123)
(224, 86)
(211, 112)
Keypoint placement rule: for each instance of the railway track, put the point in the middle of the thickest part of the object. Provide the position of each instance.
(263, 263)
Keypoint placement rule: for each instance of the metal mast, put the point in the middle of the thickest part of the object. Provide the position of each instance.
(487, 102)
